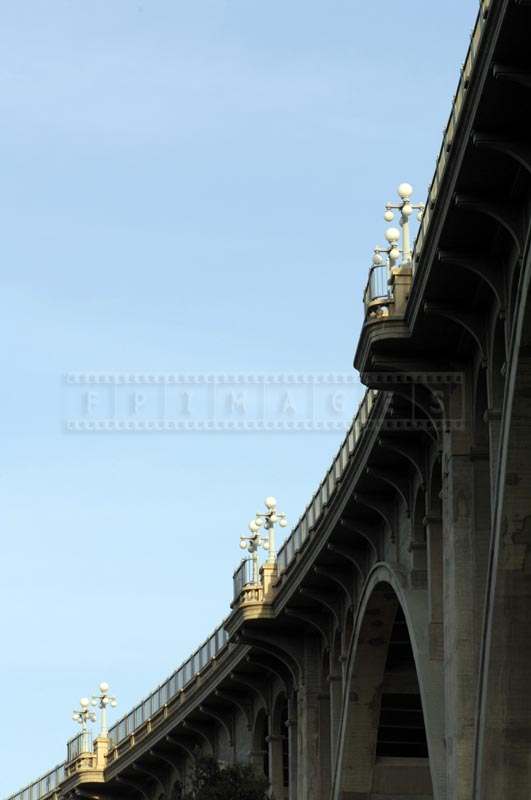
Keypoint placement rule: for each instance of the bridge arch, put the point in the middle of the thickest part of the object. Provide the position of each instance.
(391, 630)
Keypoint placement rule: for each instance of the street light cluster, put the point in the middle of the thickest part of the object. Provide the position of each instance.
(266, 519)
(393, 235)
(263, 519)
(83, 714)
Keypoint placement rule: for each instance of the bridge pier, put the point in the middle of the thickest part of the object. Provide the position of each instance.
(310, 783)
(466, 523)
(293, 746)
(324, 743)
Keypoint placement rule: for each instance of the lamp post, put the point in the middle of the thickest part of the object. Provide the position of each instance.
(392, 251)
(252, 543)
(269, 519)
(82, 715)
(383, 261)
(104, 699)
(406, 207)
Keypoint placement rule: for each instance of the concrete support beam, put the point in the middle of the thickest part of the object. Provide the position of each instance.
(466, 530)
(310, 784)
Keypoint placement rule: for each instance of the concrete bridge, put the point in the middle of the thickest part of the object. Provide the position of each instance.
(387, 652)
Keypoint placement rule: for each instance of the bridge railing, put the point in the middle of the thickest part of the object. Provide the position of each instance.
(170, 688)
(82, 743)
(377, 289)
(323, 495)
(243, 576)
(451, 126)
(377, 293)
(42, 786)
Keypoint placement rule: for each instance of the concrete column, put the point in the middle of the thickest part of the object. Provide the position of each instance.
(101, 749)
(401, 282)
(466, 522)
(243, 739)
(276, 777)
(325, 749)
(256, 757)
(308, 719)
(293, 748)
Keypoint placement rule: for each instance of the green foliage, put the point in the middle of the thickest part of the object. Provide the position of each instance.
(235, 782)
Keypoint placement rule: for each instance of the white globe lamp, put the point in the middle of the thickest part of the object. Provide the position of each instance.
(405, 190)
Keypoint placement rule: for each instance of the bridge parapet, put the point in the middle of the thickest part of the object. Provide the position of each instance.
(387, 289)
(45, 786)
(153, 709)
(86, 762)
(439, 176)
(386, 294)
(253, 599)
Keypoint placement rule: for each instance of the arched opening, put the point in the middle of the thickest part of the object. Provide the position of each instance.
(384, 745)
(285, 746)
(401, 731)
(261, 743)
(280, 749)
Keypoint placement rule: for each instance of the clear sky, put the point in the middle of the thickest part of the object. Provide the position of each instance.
(184, 186)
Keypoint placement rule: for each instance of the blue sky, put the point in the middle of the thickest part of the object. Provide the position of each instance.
(184, 187)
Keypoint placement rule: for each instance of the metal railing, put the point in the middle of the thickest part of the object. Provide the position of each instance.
(82, 743)
(333, 477)
(168, 690)
(449, 131)
(377, 288)
(243, 576)
(42, 786)
(130, 723)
